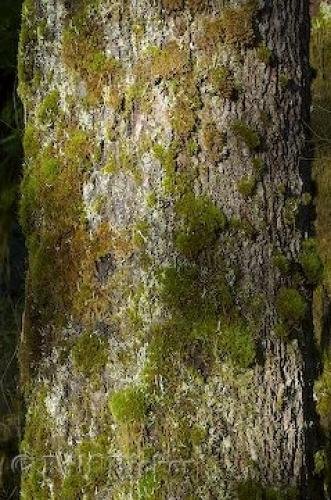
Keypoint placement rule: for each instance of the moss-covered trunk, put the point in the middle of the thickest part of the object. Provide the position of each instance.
(167, 347)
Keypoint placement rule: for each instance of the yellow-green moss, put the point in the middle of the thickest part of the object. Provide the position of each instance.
(167, 159)
(264, 54)
(165, 62)
(281, 262)
(37, 446)
(246, 186)
(310, 261)
(213, 140)
(49, 107)
(89, 354)
(128, 405)
(254, 490)
(258, 166)
(201, 222)
(223, 82)
(83, 52)
(246, 134)
(291, 306)
(31, 141)
(237, 23)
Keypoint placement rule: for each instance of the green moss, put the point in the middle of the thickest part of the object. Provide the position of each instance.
(223, 82)
(244, 226)
(246, 186)
(78, 149)
(49, 108)
(237, 24)
(291, 306)
(192, 147)
(183, 118)
(254, 490)
(148, 486)
(290, 208)
(27, 40)
(165, 62)
(36, 445)
(151, 200)
(323, 392)
(236, 343)
(128, 405)
(167, 158)
(258, 166)
(306, 199)
(284, 81)
(320, 461)
(310, 261)
(83, 52)
(213, 140)
(281, 262)
(49, 168)
(88, 469)
(31, 141)
(198, 435)
(140, 233)
(201, 222)
(89, 354)
(246, 134)
(264, 54)
(178, 288)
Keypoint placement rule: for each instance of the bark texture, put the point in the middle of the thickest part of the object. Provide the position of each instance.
(167, 331)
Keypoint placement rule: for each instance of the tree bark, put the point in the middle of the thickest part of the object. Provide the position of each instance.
(169, 311)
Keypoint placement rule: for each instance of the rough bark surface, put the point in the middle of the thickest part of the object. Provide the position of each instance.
(180, 129)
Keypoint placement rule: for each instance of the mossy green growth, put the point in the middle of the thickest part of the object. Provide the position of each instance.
(281, 262)
(201, 221)
(89, 354)
(323, 392)
(49, 168)
(264, 54)
(88, 470)
(36, 445)
(291, 306)
(31, 141)
(167, 159)
(148, 485)
(246, 134)
(284, 81)
(258, 166)
(49, 108)
(236, 343)
(128, 405)
(320, 461)
(83, 51)
(237, 24)
(254, 490)
(165, 62)
(246, 186)
(140, 233)
(310, 261)
(223, 82)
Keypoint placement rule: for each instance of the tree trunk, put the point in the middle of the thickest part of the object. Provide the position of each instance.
(168, 330)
